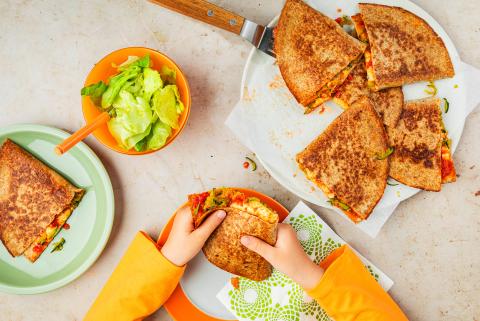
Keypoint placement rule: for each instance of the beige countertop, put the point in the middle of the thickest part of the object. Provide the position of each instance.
(430, 246)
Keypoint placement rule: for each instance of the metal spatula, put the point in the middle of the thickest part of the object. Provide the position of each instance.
(260, 36)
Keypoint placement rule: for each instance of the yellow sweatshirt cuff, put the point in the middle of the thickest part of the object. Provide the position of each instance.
(347, 291)
(142, 281)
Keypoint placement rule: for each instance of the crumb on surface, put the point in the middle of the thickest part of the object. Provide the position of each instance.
(235, 281)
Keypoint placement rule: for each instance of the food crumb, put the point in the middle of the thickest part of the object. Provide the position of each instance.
(247, 96)
(477, 193)
(235, 282)
(398, 193)
(276, 83)
(472, 167)
(312, 188)
(456, 86)
(339, 10)
(321, 109)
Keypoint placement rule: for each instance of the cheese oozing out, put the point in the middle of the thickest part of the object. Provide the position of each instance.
(363, 36)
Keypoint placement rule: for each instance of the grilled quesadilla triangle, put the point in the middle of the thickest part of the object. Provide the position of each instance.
(32, 197)
(388, 102)
(347, 160)
(245, 216)
(314, 54)
(403, 48)
(422, 156)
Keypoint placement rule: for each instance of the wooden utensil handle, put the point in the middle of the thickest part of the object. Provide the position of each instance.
(206, 12)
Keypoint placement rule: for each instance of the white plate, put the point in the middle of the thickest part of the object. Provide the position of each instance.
(292, 130)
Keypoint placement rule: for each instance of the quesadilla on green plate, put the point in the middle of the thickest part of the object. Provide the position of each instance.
(35, 202)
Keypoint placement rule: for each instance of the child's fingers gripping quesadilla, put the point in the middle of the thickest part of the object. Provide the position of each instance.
(245, 216)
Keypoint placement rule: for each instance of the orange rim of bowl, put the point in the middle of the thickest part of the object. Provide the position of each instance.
(178, 305)
(103, 70)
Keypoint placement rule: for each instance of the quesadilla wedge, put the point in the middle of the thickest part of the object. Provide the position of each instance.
(314, 54)
(402, 49)
(347, 161)
(245, 216)
(35, 202)
(422, 156)
(388, 102)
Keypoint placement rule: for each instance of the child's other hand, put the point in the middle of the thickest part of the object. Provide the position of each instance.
(184, 242)
(287, 256)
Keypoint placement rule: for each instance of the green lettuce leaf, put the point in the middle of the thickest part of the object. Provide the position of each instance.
(151, 82)
(116, 83)
(158, 136)
(135, 86)
(180, 108)
(133, 119)
(95, 91)
(142, 62)
(169, 76)
(164, 103)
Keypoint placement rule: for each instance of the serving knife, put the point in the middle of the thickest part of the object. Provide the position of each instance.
(260, 36)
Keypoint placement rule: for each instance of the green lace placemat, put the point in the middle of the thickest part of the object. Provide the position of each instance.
(278, 298)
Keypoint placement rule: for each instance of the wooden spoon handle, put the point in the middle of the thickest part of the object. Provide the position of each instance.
(80, 134)
(206, 12)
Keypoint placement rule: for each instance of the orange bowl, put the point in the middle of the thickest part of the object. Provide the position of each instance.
(103, 70)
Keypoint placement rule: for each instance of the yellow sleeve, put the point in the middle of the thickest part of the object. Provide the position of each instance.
(347, 291)
(143, 280)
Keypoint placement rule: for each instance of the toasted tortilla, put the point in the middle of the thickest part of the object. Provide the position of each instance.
(31, 197)
(404, 48)
(343, 160)
(223, 247)
(418, 141)
(314, 54)
(388, 102)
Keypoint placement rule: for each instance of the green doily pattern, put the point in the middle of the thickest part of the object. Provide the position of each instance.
(283, 313)
(308, 307)
(325, 249)
(251, 300)
(278, 279)
(309, 232)
(375, 275)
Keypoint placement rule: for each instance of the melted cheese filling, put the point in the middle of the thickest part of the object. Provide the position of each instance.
(328, 89)
(363, 36)
(355, 217)
(255, 207)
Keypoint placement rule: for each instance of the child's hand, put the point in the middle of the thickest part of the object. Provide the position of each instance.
(184, 242)
(287, 256)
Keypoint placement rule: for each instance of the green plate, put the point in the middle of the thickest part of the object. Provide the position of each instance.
(90, 223)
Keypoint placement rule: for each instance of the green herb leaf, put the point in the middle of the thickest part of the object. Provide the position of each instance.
(196, 209)
(446, 106)
(447, 142)
(58, 246)
(387, 153)
(252, 162)
(392, 184)
(336, 202)
(432, 89)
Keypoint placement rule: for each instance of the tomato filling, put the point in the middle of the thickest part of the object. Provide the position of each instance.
(363, 36)
(329, 89)
(201, 205)
(448, 169)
